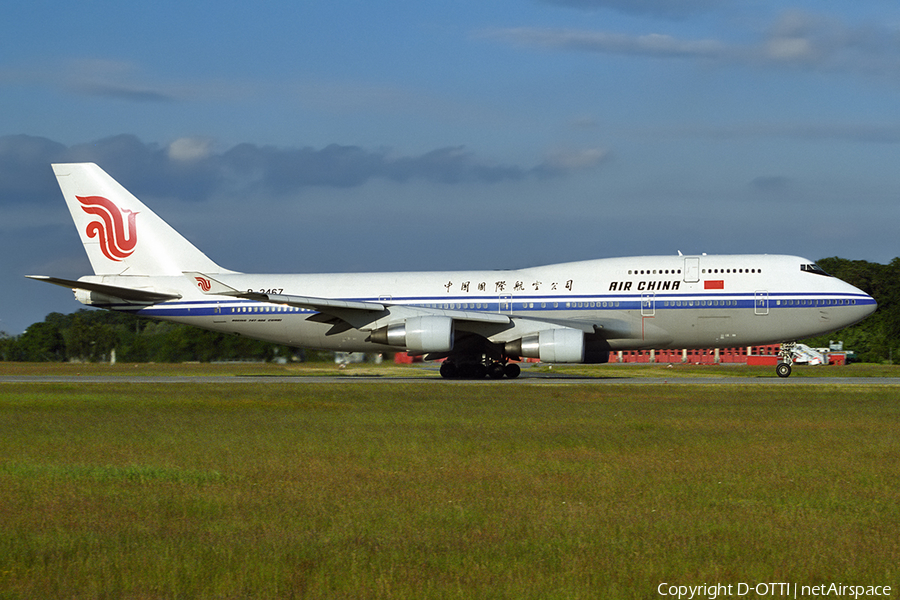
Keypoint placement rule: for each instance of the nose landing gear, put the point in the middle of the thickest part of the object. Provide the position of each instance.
(785, 359)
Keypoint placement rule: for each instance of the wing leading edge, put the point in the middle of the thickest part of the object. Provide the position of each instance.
(359, 314)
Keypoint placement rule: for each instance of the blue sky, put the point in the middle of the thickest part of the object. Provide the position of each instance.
(367, 136)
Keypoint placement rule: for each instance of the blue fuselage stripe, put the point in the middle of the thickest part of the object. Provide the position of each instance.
(493, 304)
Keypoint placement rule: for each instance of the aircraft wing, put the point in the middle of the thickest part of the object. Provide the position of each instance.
(359, 314)
(131, 294)
(209, 285)
(318, 304)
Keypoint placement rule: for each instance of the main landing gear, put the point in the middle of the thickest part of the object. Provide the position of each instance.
(479, 370)
(785, 359)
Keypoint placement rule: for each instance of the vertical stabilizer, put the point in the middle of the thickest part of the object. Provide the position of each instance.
(120, 234)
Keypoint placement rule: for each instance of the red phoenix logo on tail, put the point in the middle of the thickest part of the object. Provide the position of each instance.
(203, 283)
(117, 241)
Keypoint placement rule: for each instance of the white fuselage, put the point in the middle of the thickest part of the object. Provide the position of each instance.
(630, 303)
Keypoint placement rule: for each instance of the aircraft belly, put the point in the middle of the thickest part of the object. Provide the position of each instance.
(716, 330)
(721, 329)
(741, 327)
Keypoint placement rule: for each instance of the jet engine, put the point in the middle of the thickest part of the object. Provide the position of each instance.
(418, 334)
(89, 298)
(550, 345)
(96, 298)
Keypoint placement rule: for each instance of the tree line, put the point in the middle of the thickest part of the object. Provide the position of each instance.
(90, 335)
(93, 335)
(877, 338)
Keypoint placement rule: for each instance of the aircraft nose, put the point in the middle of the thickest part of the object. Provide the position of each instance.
(871, 304)
(865, 305)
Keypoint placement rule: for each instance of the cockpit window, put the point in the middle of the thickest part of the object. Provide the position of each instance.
(814, 269)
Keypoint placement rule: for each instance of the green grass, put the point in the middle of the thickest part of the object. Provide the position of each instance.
(405, 490)
(388, 369)
(678, 370)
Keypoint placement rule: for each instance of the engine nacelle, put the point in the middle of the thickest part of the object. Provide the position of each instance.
(550, 345)
(91, 298)
(418, 334)
(95, 298)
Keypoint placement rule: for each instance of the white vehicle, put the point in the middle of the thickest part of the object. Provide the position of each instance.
(477, 320)
(803, 354)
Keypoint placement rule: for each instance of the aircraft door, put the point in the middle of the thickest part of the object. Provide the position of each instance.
(761, 303)
(505, 304)
(648, 305)
(692, 269)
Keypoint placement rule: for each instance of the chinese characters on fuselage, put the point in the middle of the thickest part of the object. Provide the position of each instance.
(505, 286)
(521, 286)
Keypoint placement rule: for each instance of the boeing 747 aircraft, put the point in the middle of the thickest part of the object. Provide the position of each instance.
(479, 321)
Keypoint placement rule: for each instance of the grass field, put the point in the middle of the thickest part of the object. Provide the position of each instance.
(387, 369)
(404, 490)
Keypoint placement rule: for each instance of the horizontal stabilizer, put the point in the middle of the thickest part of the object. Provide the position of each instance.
(131, 294)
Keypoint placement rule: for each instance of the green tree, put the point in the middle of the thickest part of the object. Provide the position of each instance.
(43, 342)
(877, 338)
(8, 347)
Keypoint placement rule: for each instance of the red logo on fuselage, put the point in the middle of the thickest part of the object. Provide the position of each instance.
(117, 241)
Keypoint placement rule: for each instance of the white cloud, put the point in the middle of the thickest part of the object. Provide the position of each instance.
(794, 39)
(576, 160)
(112, 79)
(603, 42)
(191, 167)
(789, 49)
(663, 8)
(190, 149)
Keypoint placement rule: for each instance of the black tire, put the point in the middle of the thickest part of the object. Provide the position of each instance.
(496, 370)
(512, 370)
(783, 370)
(449, 370)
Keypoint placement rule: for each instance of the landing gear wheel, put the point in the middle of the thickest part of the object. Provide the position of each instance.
(512, 370)
(785, 359)
(783, 370)
(496, 370)
(449, 370)
(479, 371)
